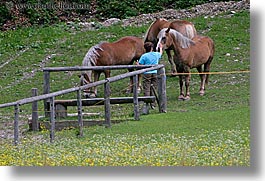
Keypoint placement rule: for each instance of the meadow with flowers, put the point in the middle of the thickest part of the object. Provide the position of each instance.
(144, 143)
(213, 130)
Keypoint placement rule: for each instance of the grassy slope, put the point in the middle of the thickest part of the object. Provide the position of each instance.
(26, 50)
(209, 130)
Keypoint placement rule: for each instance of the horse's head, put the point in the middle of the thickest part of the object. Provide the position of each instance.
(154, 29)
(89, 60)
(164, 38)
(85, 78)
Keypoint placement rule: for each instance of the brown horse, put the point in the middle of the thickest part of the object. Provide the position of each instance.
(121, 52)
(196, 53)
(182, 26)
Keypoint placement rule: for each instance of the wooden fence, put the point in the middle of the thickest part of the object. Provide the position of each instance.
(49, 98)
(48, 70)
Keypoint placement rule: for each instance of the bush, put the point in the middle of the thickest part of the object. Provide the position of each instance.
(127, 8)
(101, 9)
(4, 13)
(124, 9)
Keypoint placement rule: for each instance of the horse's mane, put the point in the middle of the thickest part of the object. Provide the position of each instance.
(147, 32)
(190, 31)
(181, 39)
(92, 55)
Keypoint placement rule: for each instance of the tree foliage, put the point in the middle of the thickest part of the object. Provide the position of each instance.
(29, 12)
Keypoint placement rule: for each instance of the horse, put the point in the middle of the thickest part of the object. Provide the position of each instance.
(189, 53)
(183, 26)
(124, 51)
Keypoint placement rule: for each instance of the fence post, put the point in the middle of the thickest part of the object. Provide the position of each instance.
(34, 116)
(162, 96)
(16, 129)
(107, 103)
(135, 98)
(52, 119)
(46, 90)
(79, 111)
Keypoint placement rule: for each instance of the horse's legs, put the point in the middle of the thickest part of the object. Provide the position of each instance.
(84, 79)
(203, 77)
(207, 67)
(187, 85)
(181, 92)
(129, 89)
(170, 59)
(186, 69)
(107, 74)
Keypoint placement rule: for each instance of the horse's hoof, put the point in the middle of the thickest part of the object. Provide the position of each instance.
(90, 95)
(201, 93)
(187, 98)
(181, 98)
(138, 90)
(153, 105)
(145, 110)
(128, 91)
(86, 95)
(93, 95)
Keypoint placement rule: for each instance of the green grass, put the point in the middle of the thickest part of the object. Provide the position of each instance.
(191, 139)
(213, 130)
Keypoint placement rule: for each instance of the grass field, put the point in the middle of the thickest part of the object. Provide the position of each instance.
(213, 130)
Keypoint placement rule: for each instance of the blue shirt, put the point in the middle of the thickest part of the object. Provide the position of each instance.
(150, 58)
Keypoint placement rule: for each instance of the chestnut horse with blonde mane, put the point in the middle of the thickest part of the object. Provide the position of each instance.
(184, 27)
(121, 52)
(189, 53)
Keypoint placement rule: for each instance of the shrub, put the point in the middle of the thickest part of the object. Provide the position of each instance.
(4, 13)
(101, 9)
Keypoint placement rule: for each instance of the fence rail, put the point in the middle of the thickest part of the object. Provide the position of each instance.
(51, 96)
(83, 68)
(48, 70)
(77, 68)
(54, 94)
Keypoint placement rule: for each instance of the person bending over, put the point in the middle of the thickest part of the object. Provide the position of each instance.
(150, 77)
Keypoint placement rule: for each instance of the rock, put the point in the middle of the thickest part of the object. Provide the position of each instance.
(111, 21)
(88, 25)
(207, 10)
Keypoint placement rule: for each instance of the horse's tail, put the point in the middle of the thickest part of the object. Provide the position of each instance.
(190, 31)
(90, 60)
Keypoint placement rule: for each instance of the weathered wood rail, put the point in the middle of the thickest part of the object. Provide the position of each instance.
(50, 97)
(48, 70)
(61, 105)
